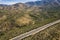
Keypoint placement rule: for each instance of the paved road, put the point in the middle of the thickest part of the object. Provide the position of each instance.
(32, 32)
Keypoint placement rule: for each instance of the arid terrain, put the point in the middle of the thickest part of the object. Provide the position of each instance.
(19, 18)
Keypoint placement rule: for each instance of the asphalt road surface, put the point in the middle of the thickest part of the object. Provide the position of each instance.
(32, 32)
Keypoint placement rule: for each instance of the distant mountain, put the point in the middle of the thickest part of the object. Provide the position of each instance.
(3, 5)
(36, 3)
(44, 2)
(30, 4)
(51, 2)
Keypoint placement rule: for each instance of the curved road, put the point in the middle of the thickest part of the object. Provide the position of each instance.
(32, 32)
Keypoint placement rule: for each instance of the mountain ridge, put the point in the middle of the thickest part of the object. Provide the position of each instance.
(38, 2)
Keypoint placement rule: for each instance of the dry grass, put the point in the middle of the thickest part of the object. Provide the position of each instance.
(26, 19)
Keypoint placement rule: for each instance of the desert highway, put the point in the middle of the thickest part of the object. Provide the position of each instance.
(34, 31)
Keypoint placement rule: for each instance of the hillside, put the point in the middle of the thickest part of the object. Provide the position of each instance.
(26, 16)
